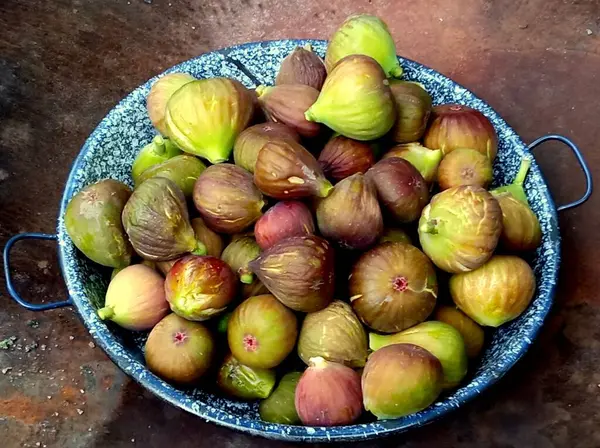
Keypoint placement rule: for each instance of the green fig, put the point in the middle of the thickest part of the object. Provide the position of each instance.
(159, 95)
(183, 170)
(395, 235)
(425, 160)
(157, 151)
(516, 187)
(413, 105)
(472, 333)
(279, 407)
(238, 254)
(241, 381)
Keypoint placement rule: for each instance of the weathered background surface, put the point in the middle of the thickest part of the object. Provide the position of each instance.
(65, 63)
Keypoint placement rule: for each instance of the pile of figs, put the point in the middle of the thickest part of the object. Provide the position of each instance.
(327, 245)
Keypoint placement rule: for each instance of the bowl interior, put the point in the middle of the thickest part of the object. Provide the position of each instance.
(109, 153)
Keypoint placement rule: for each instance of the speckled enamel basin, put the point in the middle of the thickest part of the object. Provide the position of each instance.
(109, 153)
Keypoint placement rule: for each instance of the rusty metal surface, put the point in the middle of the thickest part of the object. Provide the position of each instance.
(65, 63)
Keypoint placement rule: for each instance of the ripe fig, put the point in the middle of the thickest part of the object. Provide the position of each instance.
(262, 332)
(425, 160)
(165, 266)
(204, 117)
(135, 298)
(356, 100)
(516, 187)
(159, 95)
(367, 35)
(199, 288)
(299, 271)
(495, 293)
(471, 333)
(179, 350)
(256, 288)
(399, 380)
(251, 140)
(238, 254)
(211, 240)
(392, 287)
(395, 235)
(413, 106)
(350, 215)
(302, 66)
(287, 103)
(440, 339)
(334, 333)
(93, 222)
(247, 383)
(342, 157)
(328, 394)
(460, 227)
(157, 222)
(279, 407)
(157, 151)
(184, 170)
(286, 170)
(400, 188)
(521, 229)
(283, 220)
(454, 126)
(227, 198)
(464, 167)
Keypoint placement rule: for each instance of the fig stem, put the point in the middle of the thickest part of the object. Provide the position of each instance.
(308, 47)
(429, 227)
(200, 249)
(261, 90)
(523, 170)
(317, 362)
(396, 72)
(106, 313)
(325, 189)
(159, 145)
(376, 341)
(309, 114)
(246, 277)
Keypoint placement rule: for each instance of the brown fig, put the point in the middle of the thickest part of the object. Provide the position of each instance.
(159, 95)
(302, 66)
(413, 106)
(284, 219)
(464, 167)
(342, 157)
(211, 240)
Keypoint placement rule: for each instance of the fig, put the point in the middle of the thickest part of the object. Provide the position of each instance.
(179, 350)
(114, 272)
(165, 266)
(199, 288)
(367, 35)
(279, 407)
(464, 167)
(256, 288)
(440, 339)
(157, 221)
(350, 215)
(400, 187)
(495, 293)
(302, 66)
(204, 117)
(135, 299)
(356, 100)
(286, 170)
(413, 107)
(299, 271)
(516, 187)
(459, 229)
(287, 103)
(157, 151)
(425, 160)
(328, 394)
(227, 198)
(211, 240)
(334, 333)
(247, 383)
(453, 126)
(394, 235)
(238, 254)
(93, 222)
(251, 140)
(183, 170)
(399, 380)
(392, 287)
(262, 332)
(159, 95)
(342, 157)
(471, 333)
(284, 219)
(223, 323)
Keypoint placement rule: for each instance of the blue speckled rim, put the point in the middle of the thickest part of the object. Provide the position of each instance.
(527, 327)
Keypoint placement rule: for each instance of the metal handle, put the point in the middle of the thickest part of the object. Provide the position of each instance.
(582, 163)
(9, 283)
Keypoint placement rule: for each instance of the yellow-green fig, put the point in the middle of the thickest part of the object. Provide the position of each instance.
(394, 235)
(425, 160)
(157, 151)
(159, 95)
(521, 229)
(279, 407)
(238, 254)
(471, 332)
(241, 381)
(184, 170)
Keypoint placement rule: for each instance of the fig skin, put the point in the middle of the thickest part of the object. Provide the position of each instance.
(279, 407)
(238, 254)
(256, 288)
(241, 381)
(157, 151)
(302, 66)
(93, 222)
(393, 287)
(401, 189)
(495, 293)
(454, 126)
(459, 229)
(413, 106)
(179, 350)
(135, 299)
(440, 339)
(211, 240)
(342, 157)
(399, 380)
(356, 100)
(335, 334)
(251, 140)
(328, 394)
(425, 160)
(199, 288)
(227, 198)
(160, 93)
(287, 104)
(184, 170)
(350, 215)
(516, 187)
(262, 332)
(472, 333)
(283, 220)
(395, 235)
(286, 170)
(299, 271)
(521, 229)
(464, 167)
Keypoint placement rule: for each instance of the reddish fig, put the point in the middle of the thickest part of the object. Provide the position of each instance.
(342, 157)
(302, 66)
(284, 219)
